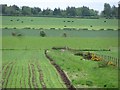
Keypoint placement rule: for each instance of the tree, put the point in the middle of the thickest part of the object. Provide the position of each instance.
(42, 34)
(107, 10)
(64, 35)
(63, 13)
(9, 10)
(114, 11)
(93, 12)
(85, 11)
(35, 10)
(71, 11)
(3, 7)
(79, 11)
(57, 11)
(47, 12)
(119, 10)
(26, 10)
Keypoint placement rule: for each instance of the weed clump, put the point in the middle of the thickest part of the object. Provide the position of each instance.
(89, 83)
(18, 19)
(102, 64)
(14, 28)
(6, 28)
(102, 29)
(42, 34)
(52, 28)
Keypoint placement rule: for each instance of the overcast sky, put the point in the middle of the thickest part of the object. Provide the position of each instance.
(93, 4)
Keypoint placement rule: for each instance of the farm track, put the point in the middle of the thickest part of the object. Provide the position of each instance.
(21, 77)
(6, 67)
(11, 77)
(7, 77)
(61, 72)
(29, 76)
(17, 73)
(33, 76)
(5, 72)
(41, 77)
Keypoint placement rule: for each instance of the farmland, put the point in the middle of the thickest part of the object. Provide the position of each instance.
(85, 73)
(58, 23)
(24, 64)
(29, 69)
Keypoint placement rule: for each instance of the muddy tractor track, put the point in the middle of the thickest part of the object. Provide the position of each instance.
(61, 72)
(41, 77)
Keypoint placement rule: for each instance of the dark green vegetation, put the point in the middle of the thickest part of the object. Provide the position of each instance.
(82, 12)
(25, 65)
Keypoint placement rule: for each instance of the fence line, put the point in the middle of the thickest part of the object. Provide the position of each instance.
(109, 58)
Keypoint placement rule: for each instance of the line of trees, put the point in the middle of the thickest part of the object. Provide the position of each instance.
(84, 11)
(109, 11)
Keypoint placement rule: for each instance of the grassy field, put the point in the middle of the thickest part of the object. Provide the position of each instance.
(85, 73)
(47, 43)
(59, 33)
(24, 64)
(29, 69)
(79, 72)
(47, 23)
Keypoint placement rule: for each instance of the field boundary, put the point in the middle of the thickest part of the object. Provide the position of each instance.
(106, 58)
(61, 72)
(72, 49)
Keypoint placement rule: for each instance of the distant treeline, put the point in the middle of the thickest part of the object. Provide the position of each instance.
(83, 12)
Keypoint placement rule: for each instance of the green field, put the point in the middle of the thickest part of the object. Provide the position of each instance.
(81, 72)
(49, 42)
(58, 23)
(29, 69)
(24, 61)
(59, 33)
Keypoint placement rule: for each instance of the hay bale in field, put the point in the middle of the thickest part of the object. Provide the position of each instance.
(14, 28)
(101, 29)
(27, 28)
(52, 28)
(18, 19)
(91, 26)
(40, 28)
(85, 29)
(13, 34)
(110, 29)
(19, 34)
(6, 28)
(64, 34)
